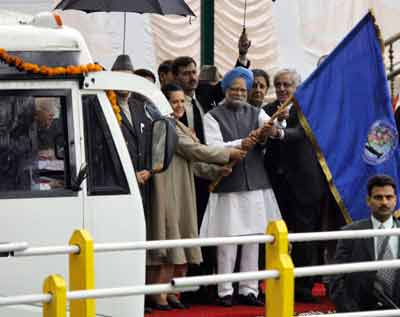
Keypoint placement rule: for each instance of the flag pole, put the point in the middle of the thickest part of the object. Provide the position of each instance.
(232, 164)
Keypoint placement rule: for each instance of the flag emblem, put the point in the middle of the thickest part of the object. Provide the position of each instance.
(381, 142)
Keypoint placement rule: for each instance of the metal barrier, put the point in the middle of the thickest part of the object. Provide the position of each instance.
(374, 313)
(280, 270)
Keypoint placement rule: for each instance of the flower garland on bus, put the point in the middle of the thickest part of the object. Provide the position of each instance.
(112, 96)
(22, 66)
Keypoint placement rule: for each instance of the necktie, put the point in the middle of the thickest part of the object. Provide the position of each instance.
(198, 122)
(385, 276)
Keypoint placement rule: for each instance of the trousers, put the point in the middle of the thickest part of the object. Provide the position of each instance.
(226, 259)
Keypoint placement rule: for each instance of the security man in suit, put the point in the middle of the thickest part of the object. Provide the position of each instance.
(378, 289)
(136, 128)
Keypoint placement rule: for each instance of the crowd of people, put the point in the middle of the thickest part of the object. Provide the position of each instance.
(273, 174)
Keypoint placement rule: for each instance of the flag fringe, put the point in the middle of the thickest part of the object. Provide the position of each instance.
(377, 30)
(322, 161)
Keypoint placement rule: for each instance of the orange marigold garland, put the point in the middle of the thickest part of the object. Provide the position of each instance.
(22, 66)
(112, 96)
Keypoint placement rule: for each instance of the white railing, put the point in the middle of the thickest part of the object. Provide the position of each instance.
(12, 246)
(20, 251)
(191, 283)
(97, 293)
(371, 313)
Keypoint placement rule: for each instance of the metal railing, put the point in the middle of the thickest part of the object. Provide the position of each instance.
(280, 299)
(392, 72)
(22, 249)
(371, 313)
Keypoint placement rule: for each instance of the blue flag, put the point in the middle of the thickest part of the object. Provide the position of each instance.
(345, 109)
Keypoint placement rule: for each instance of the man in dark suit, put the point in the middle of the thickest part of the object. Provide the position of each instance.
(370, 290)
(136, 127)
(296, 178)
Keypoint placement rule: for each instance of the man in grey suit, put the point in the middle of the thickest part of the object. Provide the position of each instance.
(370, 290)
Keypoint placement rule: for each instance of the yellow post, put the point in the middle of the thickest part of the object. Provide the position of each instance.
(280, 292)
(55, 285)
(81, 273)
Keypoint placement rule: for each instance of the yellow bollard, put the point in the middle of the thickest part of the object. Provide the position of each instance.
(55, 285)
(280, 292)
(81, 273)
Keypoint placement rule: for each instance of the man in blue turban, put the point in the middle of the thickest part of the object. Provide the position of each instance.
(243, 202)
(237, 72)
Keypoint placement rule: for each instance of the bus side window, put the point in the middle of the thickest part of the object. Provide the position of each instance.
(30, 126)
(105, 174)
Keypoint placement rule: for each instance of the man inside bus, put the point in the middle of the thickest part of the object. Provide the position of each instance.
(378, 289)
(49, 134)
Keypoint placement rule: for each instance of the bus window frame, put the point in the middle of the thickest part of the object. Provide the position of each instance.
(70, 169)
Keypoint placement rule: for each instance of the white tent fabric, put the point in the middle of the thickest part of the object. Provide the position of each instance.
(285, 33)
(176, 36)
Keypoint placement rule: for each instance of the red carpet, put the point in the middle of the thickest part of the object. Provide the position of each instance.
(324, 305)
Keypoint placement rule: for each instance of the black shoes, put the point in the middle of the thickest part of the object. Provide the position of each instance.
(177, 304)
(304, 295)
(225, 301)
(161, 307)
(250, 300)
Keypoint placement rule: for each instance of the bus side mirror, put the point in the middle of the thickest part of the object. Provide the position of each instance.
(164, 141)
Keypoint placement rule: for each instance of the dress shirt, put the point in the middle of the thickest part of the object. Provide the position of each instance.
(393, 240)
(125, 108)
(215, 136)
(189, 110)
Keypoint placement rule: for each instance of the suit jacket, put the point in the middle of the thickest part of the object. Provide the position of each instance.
(354, 292)
(138, 140)
(295, 159)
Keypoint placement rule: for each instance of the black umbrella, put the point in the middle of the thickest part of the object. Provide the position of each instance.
(164, 7)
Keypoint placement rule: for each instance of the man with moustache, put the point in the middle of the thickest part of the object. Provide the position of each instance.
(378, 289)
(184, 70)
(243, 202)
(260, 88)
(199, 100)
(296, 178)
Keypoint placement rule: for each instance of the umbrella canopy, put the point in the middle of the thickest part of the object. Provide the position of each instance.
(163, 7)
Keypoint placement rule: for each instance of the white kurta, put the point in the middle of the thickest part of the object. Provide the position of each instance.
(238, 213)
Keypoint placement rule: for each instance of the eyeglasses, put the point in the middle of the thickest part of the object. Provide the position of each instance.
(238, 90)
(283, 84)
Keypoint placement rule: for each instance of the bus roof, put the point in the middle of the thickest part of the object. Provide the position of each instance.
(41, 33)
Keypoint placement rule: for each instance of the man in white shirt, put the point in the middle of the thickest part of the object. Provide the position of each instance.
(243, 202)
(378, 289)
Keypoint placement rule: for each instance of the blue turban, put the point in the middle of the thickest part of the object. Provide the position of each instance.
(235, 73)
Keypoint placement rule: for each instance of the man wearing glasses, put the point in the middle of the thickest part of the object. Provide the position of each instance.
(296, 178)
